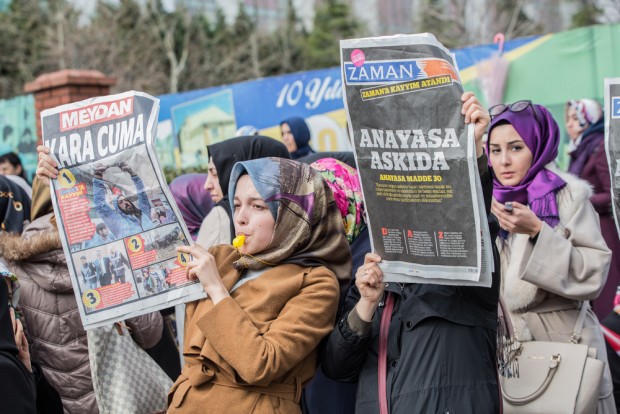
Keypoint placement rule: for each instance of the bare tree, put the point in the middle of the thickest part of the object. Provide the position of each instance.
(611, 11)
(458, 23)
(166, 27)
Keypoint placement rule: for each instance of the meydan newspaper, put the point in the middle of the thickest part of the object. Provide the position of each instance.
(416, 160)
(612, 141)
(118, 223)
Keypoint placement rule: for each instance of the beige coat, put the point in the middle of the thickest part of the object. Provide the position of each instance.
(215, 228)
(252, 352)
(566, 265)
(52, 320)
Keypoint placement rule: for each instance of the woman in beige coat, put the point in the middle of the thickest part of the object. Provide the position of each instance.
(553, 256)
(250, 346)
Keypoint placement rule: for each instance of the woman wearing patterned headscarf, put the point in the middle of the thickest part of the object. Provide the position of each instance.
(250, 345)
(14, 207)
(217, 227)
(586, 129)
(553, 256)
(324, 395)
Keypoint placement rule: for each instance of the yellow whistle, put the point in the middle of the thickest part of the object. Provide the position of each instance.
(238, 241)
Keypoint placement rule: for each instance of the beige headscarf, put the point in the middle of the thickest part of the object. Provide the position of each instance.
(41, 201)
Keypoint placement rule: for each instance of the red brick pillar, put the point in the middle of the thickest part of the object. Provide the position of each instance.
(66, 86)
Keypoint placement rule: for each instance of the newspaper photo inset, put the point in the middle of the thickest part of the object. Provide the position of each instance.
(116, 217)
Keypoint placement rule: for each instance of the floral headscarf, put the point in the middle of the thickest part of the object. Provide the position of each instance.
(308, 225)
(345, 184)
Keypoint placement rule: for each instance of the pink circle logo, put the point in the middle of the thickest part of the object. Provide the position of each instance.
(357, 58)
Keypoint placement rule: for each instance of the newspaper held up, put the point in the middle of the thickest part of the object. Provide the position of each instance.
(118, 222)
(416, 160)
(612, 141)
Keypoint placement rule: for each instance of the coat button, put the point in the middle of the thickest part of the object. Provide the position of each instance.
(394, 363)
(409, 325)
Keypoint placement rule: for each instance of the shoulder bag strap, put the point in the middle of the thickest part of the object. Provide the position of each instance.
(383, 339)
(576, 335)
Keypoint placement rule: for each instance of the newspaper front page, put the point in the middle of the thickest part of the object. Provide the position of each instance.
(612, 141)
(416, 159)
(118, 222)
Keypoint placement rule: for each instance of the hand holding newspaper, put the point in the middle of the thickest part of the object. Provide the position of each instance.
(417, 160)
(118, 223)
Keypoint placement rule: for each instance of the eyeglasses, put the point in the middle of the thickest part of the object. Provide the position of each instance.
(518, 106)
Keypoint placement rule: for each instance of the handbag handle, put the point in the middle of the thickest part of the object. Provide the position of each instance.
(575, 335)
(553, 364)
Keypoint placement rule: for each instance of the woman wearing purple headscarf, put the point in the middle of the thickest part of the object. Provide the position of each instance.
(193, 200)
(553, 256)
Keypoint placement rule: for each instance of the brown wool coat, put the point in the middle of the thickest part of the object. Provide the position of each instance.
(253, 352)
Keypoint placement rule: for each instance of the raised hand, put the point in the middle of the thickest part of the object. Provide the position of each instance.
(126, 168)
(475, 113)
(369, 281)
(47, 168)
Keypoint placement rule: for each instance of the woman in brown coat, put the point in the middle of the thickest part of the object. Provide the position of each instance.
(250, 346)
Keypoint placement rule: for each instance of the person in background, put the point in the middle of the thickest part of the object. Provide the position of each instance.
(17, 386)
(103, 269)
(193, 200)
(251, 344)
(553, 256)
(88, 273)
(118, 263)
(439, 340)
(611, 331)
(51, 316)
(10, 164)
(23, 387)
(217, 227)
(296, 136)
(14, 207)
(324, 395)
(102, 236)
(586, 129)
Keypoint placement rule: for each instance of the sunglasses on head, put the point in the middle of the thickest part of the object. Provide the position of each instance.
(518, 106)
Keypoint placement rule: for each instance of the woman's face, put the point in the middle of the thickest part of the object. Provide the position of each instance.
(510, 158)
(212, 185)
(252, 217)
(572, 124)
(288, 138)
(6, 168)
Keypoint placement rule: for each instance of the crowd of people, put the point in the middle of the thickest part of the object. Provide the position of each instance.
(297, 316)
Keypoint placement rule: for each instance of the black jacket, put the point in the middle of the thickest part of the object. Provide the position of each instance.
(441, 345)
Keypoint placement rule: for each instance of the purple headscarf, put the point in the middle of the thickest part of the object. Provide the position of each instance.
(541, 134)
(193, 200)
